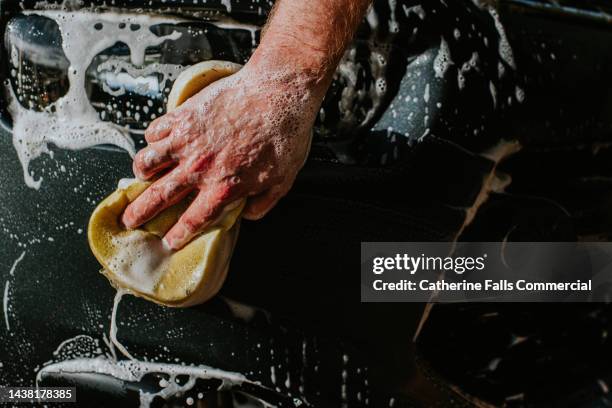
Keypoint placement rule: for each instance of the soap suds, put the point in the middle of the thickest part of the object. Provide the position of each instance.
(418, 9)
(82, 354)
(227, 4)
(113, 327)
(343, 384)
(442, 60)
(465, 68)
(79, 346)
(393, 23)
(372, 18)
(5, 306)
(123, 76)
(5, 299)
(140, 260)
(360, 101)
(493, 92)
(71, 122)
(520, 94)
(126, 182)
(504, 49)
(134, 371)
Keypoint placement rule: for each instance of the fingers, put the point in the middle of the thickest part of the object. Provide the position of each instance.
(258, 206)
(153, 158)
(202, 212)
(159, 128)
(165, 192)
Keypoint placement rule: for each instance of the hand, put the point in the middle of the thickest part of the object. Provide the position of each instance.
(244, 136)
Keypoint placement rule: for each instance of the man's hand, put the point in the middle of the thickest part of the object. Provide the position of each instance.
(246, 136)
(243, 136)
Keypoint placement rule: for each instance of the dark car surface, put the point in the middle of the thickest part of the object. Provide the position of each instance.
(427, 108)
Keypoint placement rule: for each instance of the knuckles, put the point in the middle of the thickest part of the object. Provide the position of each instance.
(224, 147)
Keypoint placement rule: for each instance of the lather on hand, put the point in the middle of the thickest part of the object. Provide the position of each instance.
(246, 136)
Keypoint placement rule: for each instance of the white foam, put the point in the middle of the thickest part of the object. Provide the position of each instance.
(393, 24)
(372, 18)
(71, 122)
(504, 48)
(5, 299)
(134, 371)
(273, 374)
(442, 60)
(227, 4)
(79, 346)
(355, 92)
(69, 341)
(520, 94)
(466, 67)
(5, 306)
(113, 328)
(126, 182)
(140, 260)
(418, 9)
(493, 91)
(344, 376)
(131, 370)
(118, 73)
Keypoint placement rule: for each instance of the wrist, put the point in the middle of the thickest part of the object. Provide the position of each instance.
(281, 53)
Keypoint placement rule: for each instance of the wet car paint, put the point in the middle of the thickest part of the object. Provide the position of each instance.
(55, 292)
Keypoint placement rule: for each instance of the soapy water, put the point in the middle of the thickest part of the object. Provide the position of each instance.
(141, 260)
(113, 328)
(119, 76)
(5, 299)
(83, 354)
(71, 122)
(135, 371)
(74, 122)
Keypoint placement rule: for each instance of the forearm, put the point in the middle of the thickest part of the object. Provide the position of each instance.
(309, 36)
